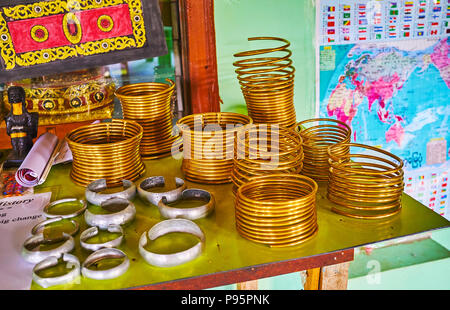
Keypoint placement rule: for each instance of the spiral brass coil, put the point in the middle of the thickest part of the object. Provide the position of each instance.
(149, 104)
(106, 150)
(267, 83)
(266, 149)
(318, 134)
(367, 184)
(277, 209)
(209, 145)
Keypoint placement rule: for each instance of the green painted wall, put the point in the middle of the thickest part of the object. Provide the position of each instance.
(237, 20)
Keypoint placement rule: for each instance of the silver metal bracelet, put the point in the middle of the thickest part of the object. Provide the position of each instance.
(109, 273)
(39, 228)
(144, 190)
(93, 231)
(189, 213)
(72, 262)
(174, 259)
(32, 255)
(124, 212)
(47, 208)
(94, 196)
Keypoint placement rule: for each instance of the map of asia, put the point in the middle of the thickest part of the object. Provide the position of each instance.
(395, 95)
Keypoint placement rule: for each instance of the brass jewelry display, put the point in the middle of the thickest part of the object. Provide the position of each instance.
(149, 104)
(266, 149)
(107, 151)
(209, 145)
(366, 183)
(278, 210)
(266, 77)
(318, 134)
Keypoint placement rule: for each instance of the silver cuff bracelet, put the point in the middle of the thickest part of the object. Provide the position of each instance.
(94, 196)
(108, 273)
(47, 208)
(124, 212)
(32, 255)
(189, 213)
(93, 231)
(72, 262)
(39, 228)
(144, 190)
(174, 259)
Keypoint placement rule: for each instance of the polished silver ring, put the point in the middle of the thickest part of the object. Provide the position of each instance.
(39, 228)
(94, 195)
(99, 255)
(189, 213)
(174, 259)
(93, 231)
(72, 263)
(144, 190)
(32, 254)
(123, 212)
(47, 208)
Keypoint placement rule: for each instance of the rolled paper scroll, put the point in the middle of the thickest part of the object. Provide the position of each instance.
(37, 163)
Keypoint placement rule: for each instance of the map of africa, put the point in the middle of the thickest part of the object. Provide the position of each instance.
(394, 95)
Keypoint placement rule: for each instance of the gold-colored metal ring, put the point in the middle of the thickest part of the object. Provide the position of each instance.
(266, 77)
(149, 104)
(266, 149)
(366, 183)
(318, 134)
(106, 151)
(277, 209)
(209, 145)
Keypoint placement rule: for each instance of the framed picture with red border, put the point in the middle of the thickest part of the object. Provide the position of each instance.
(46, 37)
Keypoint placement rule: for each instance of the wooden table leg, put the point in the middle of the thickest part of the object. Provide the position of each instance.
(249, 285)
(333, 277)
(312, 279)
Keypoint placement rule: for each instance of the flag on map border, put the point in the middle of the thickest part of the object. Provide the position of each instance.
(378, 29)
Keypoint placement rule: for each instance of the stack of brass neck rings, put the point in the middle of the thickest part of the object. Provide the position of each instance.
(107, 150)
(366, 184)
(267, 83)
(149, 104)
(209, 145)
(278, 209)
(318, 134)
(266, 149)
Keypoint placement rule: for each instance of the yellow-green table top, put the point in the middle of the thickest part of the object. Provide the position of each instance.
(225, 249)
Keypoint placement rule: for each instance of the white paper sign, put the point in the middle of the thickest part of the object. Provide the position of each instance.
(18, 215)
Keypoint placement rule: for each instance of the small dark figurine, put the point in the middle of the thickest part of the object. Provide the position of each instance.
(21, 126)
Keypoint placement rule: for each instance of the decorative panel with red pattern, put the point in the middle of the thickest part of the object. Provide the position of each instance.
(44, 37)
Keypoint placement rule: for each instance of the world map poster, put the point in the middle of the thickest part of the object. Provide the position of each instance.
(395, 95)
